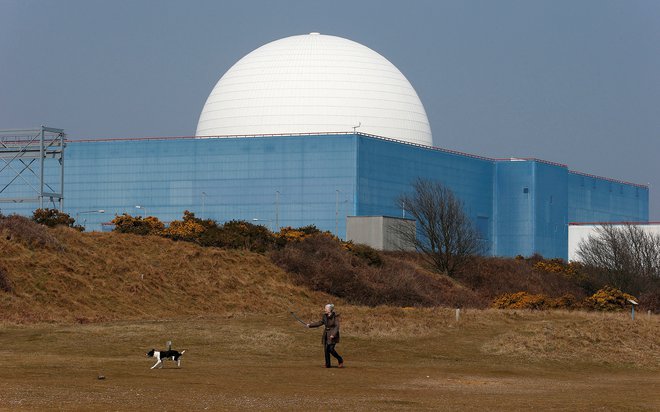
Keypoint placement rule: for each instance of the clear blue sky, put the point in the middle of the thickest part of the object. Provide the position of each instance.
(575, 82)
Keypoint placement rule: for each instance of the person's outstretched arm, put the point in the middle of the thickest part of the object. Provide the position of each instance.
(315, 324)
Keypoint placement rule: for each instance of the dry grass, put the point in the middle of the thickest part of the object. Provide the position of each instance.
(96, 302)
(602, 338)
(397, 359)
(607, 339)
(108, 276)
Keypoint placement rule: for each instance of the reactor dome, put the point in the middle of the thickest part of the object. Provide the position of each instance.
(314, 84)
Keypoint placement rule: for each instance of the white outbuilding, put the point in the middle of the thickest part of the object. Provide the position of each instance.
(579, 232)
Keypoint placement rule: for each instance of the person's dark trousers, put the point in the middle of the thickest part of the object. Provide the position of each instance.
(330, 350)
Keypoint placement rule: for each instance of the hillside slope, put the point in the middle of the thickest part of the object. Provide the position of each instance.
(63, 275)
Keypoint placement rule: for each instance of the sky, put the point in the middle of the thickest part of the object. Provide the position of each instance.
(568, 81)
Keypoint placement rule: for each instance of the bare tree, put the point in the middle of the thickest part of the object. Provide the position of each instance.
(628, 256)
(444, 233)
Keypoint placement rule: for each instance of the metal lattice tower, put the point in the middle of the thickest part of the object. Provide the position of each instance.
(32, 166)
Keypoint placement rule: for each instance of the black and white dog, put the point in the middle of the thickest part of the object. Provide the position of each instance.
(166, 354)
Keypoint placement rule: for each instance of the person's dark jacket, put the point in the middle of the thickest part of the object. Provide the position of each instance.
(331, 330)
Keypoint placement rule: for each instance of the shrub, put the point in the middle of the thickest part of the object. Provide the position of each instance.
(323, 263)
(608, 299)
(320, 263)
(126, 223)
(28, 232)
(239, 234)
(54, 217)
(289, 234)
(575, 272)
(189, 229)
(494, 277)
(521, 300)
(233, 235)
(567, 301)
(650, 300)
(627, 256)
(309, 230)
(572, 270)
(550, 266)
(525, 300)
(367, 253)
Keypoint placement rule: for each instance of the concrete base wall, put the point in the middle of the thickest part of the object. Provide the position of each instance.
(380, 232)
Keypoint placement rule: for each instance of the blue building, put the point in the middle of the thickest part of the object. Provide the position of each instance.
(520, 206)
(311, 129)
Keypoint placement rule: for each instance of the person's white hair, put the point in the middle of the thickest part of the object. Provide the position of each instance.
(330, 306)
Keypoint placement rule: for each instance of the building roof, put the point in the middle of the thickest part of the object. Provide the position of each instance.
(315, 83)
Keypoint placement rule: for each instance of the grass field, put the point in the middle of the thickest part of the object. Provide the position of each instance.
(396, 359)
(76, 306)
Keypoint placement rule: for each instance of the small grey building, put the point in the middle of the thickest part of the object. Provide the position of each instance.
(380, 232)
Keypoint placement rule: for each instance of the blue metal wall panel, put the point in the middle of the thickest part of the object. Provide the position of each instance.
(514, 208)
(532, 203)
(519, 207)
(550, 210)
(222, 179)
(386, 170)
(594, 199)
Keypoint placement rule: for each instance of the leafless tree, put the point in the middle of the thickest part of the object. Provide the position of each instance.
(444, 233)
(627, 255)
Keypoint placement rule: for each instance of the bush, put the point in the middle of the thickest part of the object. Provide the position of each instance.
(554, 266)
(126, 223)
(493, 277)
(238, 234)
(609, 299)
(566, 301)
(53, 217)
(367, 253)
(289, 234)
(627, 256)
(323, 263)
(650, 300)
(521, 300)
(189, 229)
(28, 232)
(320, 263)
(525, 300)
(579, 275)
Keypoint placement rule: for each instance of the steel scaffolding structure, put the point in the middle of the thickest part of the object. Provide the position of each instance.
(26, 155)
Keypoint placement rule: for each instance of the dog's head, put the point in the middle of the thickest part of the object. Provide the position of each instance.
(150, 354)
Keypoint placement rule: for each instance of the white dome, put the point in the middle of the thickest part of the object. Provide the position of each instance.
(314, 84)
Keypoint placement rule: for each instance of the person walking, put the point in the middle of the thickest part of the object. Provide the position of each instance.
(330, 338)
